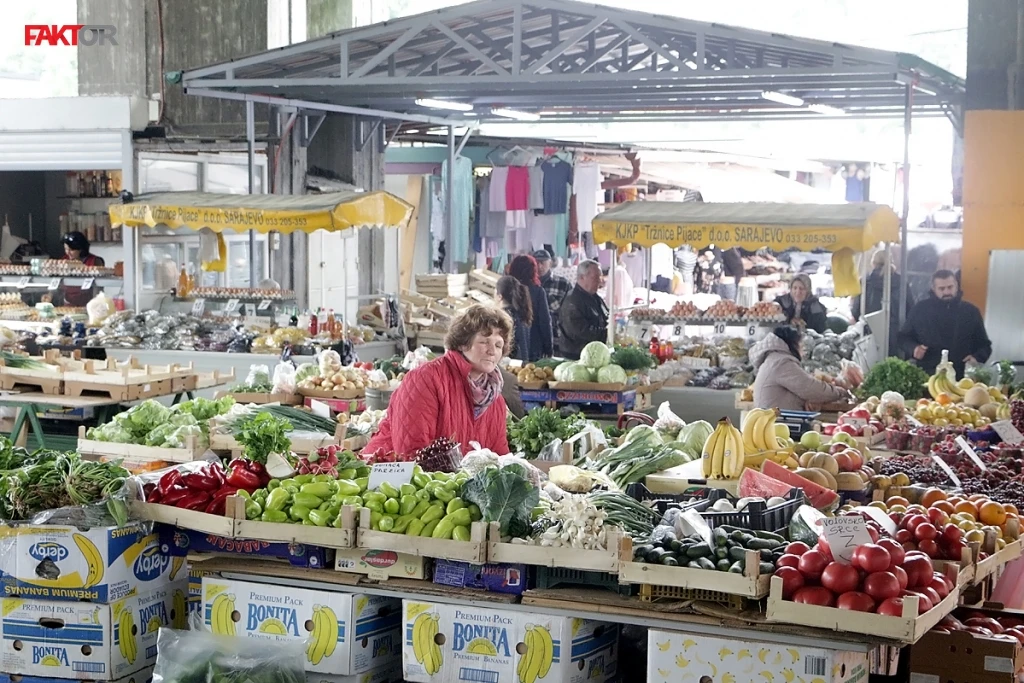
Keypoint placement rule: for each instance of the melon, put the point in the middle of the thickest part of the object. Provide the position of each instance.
(989, 410)
(976, 397)
(754, 484)
(849, 481)
(824, 461)
(818, 496)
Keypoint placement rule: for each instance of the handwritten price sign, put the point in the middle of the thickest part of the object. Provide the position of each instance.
(394, 473)
(844, 534)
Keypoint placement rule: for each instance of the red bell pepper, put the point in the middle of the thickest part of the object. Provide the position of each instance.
(198, 481)
(216, 472)
(218, 503)
(149, 492)
(168, 481)
(175, 496)
(242, 478)
(195, 500)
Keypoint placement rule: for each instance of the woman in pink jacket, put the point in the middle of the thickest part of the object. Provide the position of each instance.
(457, 395)
(781, 382)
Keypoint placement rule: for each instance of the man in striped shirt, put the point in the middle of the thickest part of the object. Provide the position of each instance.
(554, 286)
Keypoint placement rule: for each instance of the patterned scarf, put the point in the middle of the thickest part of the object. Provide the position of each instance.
(484, 390)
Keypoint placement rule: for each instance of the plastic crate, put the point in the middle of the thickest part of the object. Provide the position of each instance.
(757, 516)
(699, 497)
(561, 577)
(649, 593)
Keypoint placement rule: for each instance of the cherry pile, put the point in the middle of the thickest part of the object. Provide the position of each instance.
(918, 470)
(1017, 414)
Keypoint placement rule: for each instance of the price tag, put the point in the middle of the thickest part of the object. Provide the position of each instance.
(1007, 432)
(88, 282)
(882, 519)
(320, 408)
(967, 448)
(677, 332)
(913, 421)
(645, 330)
(197, 307)
(250, 310)
(858, 422)
(751, 331)
(844, 534)
(719, 328)
(232, 306)
(54, 284)
(394, 473)
(23, 282)
(947, 469)
(265, 304)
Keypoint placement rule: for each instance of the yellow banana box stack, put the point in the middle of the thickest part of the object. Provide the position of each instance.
(102, 564)
(449, 643)
(89, 641)
(674, 657)
(388, 673)
(345, 633)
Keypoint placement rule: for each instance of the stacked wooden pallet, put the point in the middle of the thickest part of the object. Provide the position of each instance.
(485, 281)
(442, 286)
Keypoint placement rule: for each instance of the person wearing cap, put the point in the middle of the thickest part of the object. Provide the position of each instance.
(554, 286)
(76, 248)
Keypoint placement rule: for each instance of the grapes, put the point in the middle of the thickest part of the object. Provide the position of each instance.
(1017, 414)
(918, 470)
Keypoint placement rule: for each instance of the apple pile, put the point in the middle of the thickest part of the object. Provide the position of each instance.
(1001, 628)
(857, 422)
(880, 575)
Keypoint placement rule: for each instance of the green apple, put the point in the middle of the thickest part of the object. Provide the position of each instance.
(781, 431)
(811, 440)
(843, 437)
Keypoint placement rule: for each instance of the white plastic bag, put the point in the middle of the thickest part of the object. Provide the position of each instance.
(99, 308)
(284, 379)
(258, 374)
(668, 422)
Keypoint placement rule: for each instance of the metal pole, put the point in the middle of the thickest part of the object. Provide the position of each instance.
(905, 223)
(610, 291)
(449, 212)
(886, 301)
(250, 136)
(650, 273)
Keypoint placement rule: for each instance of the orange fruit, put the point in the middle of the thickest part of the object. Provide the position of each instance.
(897, 500)
(992, 513)
(977, 497)
(945, 506)
(1010, 507)
(932, 496)
(967, 507)
(944, 399)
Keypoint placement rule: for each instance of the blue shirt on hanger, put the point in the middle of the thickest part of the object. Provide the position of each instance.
(557, 179)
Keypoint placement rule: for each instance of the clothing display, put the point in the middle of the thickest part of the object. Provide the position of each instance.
(541, 229)
(558, 176)
(517, 189)
(635, 263)
(492, 223)
(462, 207)
(536, 188)
(499, 181)
(586, 186)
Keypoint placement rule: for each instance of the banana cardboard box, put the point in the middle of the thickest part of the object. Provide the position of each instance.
(388, 673)
(102, 564)
(690, 658)
(88, 641)
(142, 676)
(346, 633)
(450, 643)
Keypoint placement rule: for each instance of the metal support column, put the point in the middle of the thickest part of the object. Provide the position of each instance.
(886, 301)
(449, 213)
(250, 137)
(905, 222)
(610, 294)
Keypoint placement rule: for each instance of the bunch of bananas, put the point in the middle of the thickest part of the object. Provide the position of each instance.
(944, 382)
(540, 652)
(220, 615)
(763, 440)
(426, 650)
(126, 626)
(93, 560)
(325, 634)
(179, 610)
(722, 457)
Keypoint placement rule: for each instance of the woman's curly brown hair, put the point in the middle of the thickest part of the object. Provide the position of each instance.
(479, 319)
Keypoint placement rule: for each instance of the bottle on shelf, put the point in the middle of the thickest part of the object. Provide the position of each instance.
(655, 348)
(330, 323)
(183, 288)
(191, 279)
(294, 319)
(314, 325)
(102, 189)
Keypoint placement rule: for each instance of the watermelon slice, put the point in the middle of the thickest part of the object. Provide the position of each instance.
(753, 484)
(817, 495)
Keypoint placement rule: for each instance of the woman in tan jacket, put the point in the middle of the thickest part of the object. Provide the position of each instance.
(781, 382)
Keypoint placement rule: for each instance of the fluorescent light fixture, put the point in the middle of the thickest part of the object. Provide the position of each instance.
(444, 104)
(827, 109)
(516, 115)
(782, 98)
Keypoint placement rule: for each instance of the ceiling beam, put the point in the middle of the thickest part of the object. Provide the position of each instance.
(470, 48)
(389, 50)
(560, 49)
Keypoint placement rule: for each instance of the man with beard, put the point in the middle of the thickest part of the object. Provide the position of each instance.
(943, 320)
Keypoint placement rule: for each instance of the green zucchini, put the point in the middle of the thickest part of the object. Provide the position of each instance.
(769, 536)
(723, 565)
(737, 554)
(761, 544)
(698, 551)
(720, 536)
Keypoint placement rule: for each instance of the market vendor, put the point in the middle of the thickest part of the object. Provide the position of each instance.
(801, 307)
(458, 395)
(76, 248)
(781, 381)
(583, 317)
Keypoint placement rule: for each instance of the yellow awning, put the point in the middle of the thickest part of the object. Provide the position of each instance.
(805, 227)
(334, 211)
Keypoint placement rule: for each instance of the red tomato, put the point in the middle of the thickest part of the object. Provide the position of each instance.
(919, 569)
(892, 607)
(901, 576)
(938, 584)
(911, 522)
(904, 536)
(824, 548)
(1010, 622)
(932, 594)
(815, 595)
(873, 533)
(926, 532)
(871, 558)
(979, 631)
(952, 623)
(935, 516)
(985, 622)
(952, 534)
(797, 548)
(924, 603)
(929, 547)
(792, 581)
(840, 578)
(788, 560)
(882, 585)
(1016, 633)
(857, 602)
(895, 550)
(812, 564)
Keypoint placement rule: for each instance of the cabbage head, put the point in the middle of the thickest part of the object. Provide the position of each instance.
(561, 370)
(596, 355)
(694, 435)
(646, 434)
(611, 374)
(578, 373)
(306, 371)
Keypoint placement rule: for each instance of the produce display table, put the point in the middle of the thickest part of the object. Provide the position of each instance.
(698, 403)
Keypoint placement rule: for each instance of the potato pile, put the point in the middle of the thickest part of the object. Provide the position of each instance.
(531, 373)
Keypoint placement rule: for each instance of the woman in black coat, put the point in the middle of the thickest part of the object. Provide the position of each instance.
(801, 307)
(514, 299)
(524, 269)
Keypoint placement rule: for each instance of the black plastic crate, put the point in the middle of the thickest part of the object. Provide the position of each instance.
(757, 516)
(698, 497)
(562, 577)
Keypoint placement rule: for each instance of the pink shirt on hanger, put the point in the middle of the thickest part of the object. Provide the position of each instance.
(517, 189)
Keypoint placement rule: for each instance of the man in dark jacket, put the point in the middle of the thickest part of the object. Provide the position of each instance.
(583, 316)
(874, 293)
(945, 321)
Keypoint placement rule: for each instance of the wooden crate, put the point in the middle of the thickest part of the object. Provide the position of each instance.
(218, 525)
(750, 584)
(126, 381)
(566, 558)
(224, 443)
(274, 532)
(48, 381)
(997, 560)
(93, 450)
(207, 380)
(263, 399)
(344, 395)
(473, 551)
(589, 386)
(907, 628)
